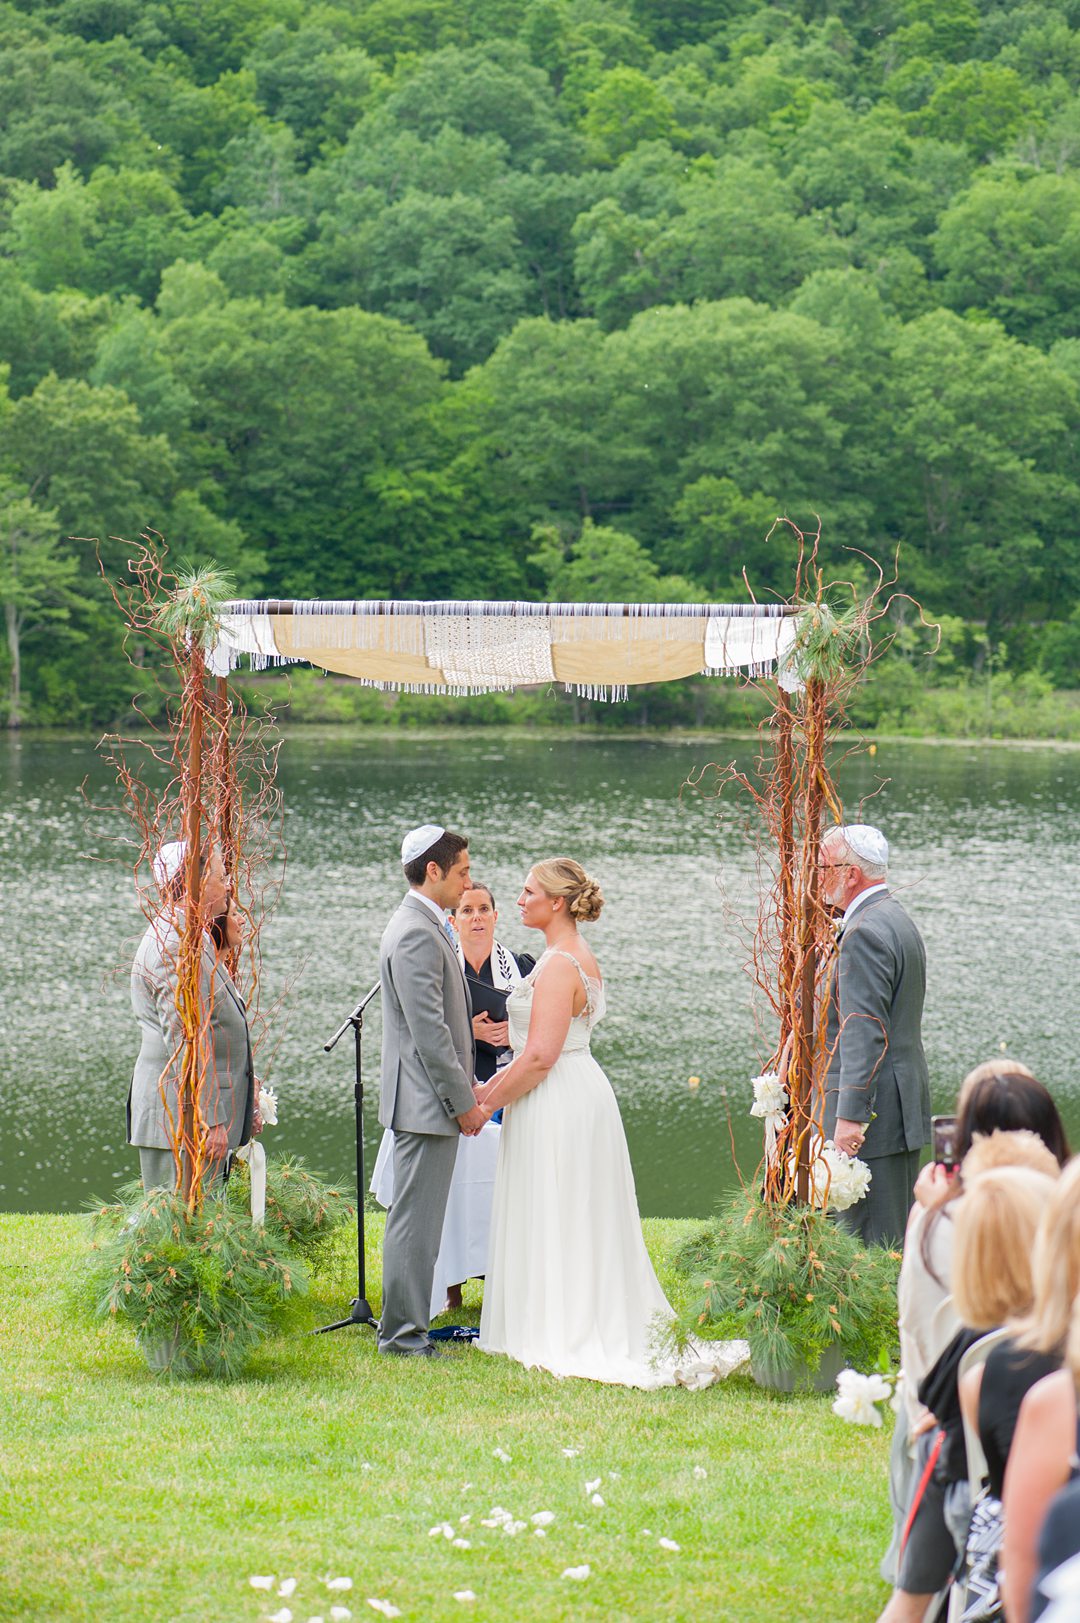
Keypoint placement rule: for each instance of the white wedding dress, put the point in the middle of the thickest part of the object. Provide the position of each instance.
(570, 1287)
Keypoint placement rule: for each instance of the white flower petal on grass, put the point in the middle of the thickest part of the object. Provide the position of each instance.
(646, 1532)
(668, 1544)
(860, 1396)
(286, 1587)
(591, 1487)
(464, 1520)
(571, 1453)
(262, 1583)
(501, 1454)
(542, 1518)
(540, 1532)
(464, 1595)
(338, 1583)
(700, 1472)
(579, 1574)
(283, 1616)
(597, 1501)
(314, 1620)
(386, 1607)
(462, 1544)
(340, 1614)
(365, 1466)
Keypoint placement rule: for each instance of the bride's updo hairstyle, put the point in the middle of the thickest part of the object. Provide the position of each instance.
(562, 876)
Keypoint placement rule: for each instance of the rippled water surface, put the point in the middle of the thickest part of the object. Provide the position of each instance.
(985, 853)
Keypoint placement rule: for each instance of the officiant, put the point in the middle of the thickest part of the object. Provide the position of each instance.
(491, 972)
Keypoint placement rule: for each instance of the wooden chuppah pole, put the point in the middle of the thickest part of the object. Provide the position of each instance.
(189, 966)
(805, 1047)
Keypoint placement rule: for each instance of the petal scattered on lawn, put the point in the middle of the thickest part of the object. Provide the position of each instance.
(700, 1471)
(540, 1532)
(262, 1583)
(571, 1453)
(577, 1573)
(386, 1607)
(668, 1544)
(462, 1544)
(340, 1614)
(283, 1616)
(338, 1583)
(501, 1454)
(365, 1466)
(591, 1487)
(286, 1587)
(314, 1620)
(463, 1521)
(464, 1594)
(542, 1518)
(597, 1501)
(646, 1532)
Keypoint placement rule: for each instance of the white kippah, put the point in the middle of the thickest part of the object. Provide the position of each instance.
(418, 841)
(867, 842)
(168, 861)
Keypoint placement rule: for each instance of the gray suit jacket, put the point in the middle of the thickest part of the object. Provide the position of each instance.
(875, 1030)
(427, 1040)
(227, 1095)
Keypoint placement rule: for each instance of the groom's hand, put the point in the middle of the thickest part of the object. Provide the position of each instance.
(472, 1121)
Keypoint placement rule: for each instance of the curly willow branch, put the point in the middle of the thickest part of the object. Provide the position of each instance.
(203, 771)
(793, 799)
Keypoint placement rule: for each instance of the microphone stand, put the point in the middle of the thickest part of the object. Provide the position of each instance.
(360, 1311)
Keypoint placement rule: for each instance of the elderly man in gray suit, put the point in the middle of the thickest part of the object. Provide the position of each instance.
(877, 1091)
(227, 1089)
(426, 1095)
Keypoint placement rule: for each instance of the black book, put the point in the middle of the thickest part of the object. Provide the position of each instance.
(484, 996)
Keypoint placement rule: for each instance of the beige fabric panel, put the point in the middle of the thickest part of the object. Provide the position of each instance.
(384, 661)
(630, 662)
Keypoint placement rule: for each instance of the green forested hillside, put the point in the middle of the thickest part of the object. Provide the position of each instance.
(559, 298)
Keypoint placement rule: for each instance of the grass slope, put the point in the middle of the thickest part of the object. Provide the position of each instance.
(125, 1498)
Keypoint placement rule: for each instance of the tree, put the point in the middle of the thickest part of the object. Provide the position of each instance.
(626, 107)
(1011, 246)
(37, 581)
(980, 103)
(604, 566)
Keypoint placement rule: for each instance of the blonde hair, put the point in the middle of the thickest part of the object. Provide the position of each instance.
(993, 1239)
(1072, 1345)
(1016, 1148)
(1055, 1267)
(562, 876)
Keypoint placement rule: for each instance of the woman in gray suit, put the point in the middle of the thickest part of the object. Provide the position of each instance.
(227, 1088)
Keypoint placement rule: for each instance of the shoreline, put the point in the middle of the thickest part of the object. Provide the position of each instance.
(515, 732)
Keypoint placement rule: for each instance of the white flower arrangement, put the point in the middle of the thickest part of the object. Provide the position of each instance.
(861, 1397)
(770, 1104)
(846, 1177)
(268, 1106)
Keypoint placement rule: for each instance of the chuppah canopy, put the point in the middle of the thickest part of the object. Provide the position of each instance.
(597, 649)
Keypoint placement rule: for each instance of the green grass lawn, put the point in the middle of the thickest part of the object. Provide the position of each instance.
(126, 1498)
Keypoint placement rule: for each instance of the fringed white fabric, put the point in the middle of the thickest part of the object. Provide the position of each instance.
(488, 648)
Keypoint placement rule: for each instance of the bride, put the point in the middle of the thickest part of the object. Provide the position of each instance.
(570, 1287)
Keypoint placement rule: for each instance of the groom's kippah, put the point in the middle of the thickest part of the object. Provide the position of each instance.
(418, 841)
(867, 842)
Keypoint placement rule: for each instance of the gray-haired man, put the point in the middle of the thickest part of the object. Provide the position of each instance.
(877, 1098)
(426, 1094)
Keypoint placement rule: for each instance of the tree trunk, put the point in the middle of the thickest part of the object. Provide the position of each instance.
(13, 628)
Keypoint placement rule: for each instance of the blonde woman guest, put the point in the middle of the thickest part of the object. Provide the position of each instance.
(1059, 1540)
(570, 1287)
(994, 1236)
(991, 1395)
(1044, 1443)
(1001, 1096)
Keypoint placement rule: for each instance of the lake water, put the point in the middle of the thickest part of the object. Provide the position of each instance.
(984, 853)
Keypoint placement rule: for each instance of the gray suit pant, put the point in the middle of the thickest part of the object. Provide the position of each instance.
(423, 1170)
(881, 1216)
(158, 1169)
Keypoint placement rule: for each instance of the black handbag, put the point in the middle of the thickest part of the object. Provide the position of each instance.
(983, 1547)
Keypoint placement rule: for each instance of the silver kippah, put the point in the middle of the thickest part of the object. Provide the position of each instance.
(867, 842)
(419, 840)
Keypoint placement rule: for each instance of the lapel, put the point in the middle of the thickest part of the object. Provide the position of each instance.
(425, 912)
(220, 976)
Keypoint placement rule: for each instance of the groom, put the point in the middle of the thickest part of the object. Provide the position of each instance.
(427, 1069)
